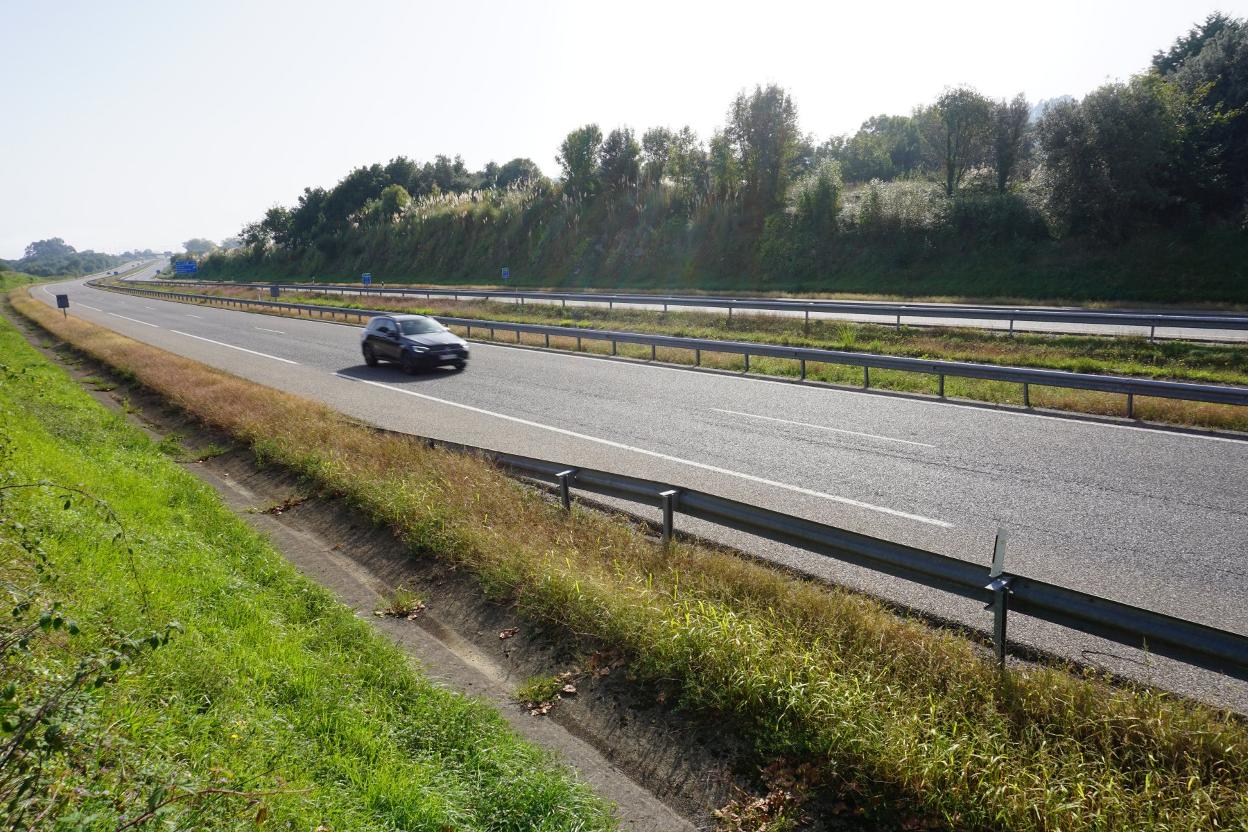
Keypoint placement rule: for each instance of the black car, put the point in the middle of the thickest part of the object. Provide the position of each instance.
(416, 342)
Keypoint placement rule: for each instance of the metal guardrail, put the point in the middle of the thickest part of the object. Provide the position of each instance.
(1196, 644)
(933, 311)
(1025, 376)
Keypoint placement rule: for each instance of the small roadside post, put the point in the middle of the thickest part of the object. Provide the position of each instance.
(62, 303)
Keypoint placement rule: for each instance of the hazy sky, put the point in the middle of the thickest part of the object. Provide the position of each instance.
(141, 124)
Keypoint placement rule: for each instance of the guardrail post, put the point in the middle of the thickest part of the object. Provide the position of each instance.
(578, 343)
(801, 362)
(899, 322)
(697, 358)
(669, 510)
(1026, 394)
(565, 477)
(517, 336)
(613, 347)
(654, 352)
(1152, 333)
(1130, 405)
(547, 340)
(940, 385)
(747, 362)
(866, 377)
(1000, 605)
(1011, 327)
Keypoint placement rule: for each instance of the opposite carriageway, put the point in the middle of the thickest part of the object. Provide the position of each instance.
(931, 313)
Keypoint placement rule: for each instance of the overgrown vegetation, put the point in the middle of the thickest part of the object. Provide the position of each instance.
(1137, 192)
(907, 724)
(56, 258)
(163, 667)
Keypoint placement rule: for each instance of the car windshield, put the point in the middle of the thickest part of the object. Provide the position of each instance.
(420, 326)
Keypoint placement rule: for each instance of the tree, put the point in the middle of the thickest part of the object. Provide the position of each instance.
(199, 245)
(723, 168)
(656, 146)
(1105, 159)
(957, 133)
(688, 166)
(578, 157)
(394, 198)
(763, 132)
(1192, 44)
(1009, 138)
(518, 170)
(49, 249)
(619, 160)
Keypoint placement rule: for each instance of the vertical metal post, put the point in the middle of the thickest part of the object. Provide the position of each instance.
(940, 389)
(1152, 333)
(548, 340)
(1130, 405)
(613, 347)
(565, 498)
(866, 376)
(730, 313)
(807, 324)
(1011, 327)
(517, 336)
(801, 362)
(491, 333)
(669, 509)
(1026, 394)
(578, 343)
(697, 358)
(1000, 605)
(747, 363)
(899, 322)
(654, 352)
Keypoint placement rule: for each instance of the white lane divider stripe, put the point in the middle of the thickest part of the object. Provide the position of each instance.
(713, 468)
(89, 306)
(823, 427)
(135, 320)
(275, 331)
(231, 346)
(189, 315)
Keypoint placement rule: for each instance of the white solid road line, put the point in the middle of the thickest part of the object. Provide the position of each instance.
(135, 320)
(89, 306)
(277, 331)
(189, 315)
(231, 346)
(823, 427)
(750, 477)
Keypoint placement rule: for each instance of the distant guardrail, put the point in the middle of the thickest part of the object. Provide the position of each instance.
(897, 311)
(1024, 376)
(1196, 644)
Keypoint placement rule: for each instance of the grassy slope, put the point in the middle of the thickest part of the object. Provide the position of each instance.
(909, 724)
(273, 684)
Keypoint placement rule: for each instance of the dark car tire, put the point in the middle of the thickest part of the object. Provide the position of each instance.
(460, 365)
(408, 364)
(370, 357)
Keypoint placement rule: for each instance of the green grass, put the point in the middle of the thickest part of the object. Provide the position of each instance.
(909, 726)
(269, 686)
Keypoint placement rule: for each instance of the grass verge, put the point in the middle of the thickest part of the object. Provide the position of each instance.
(268, 704)
(1127, 356)
(909, 725)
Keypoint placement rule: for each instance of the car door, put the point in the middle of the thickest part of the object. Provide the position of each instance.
(386, 340)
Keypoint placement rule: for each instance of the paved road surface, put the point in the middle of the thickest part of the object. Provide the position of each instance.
(1145, 516)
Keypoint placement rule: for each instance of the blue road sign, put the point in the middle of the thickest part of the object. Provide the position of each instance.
(367, 278)
(62, 301)
(506, 273)
(185, 267)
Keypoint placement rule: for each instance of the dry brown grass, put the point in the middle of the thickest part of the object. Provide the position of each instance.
(913, 718)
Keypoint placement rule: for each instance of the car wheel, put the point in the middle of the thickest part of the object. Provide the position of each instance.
(370, 357)
(460, 365)
(408, 364)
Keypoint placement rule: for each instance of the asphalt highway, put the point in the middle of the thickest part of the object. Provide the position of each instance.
(1149, 517)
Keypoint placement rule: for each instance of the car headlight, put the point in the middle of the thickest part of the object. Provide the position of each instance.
(417, 348)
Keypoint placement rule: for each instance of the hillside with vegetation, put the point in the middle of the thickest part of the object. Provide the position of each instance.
(56, 258)
(1136, 192)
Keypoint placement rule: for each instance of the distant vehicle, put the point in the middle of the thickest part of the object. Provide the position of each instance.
(415, 342)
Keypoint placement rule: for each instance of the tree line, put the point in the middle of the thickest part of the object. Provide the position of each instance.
(1167, 148)
(54, 257)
